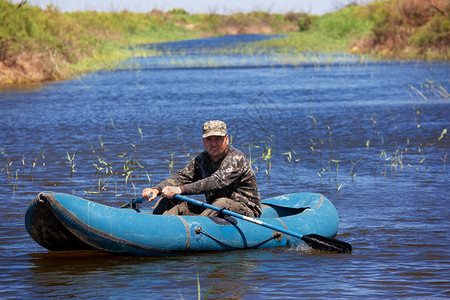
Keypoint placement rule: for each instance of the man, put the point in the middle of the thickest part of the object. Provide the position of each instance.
(222, 173)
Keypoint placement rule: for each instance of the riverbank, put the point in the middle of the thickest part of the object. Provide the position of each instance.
(388, 30)
(44, 45)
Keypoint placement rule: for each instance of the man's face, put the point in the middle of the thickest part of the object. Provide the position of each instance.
(216, 146)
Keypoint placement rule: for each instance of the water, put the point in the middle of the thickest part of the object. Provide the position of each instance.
(370, 136)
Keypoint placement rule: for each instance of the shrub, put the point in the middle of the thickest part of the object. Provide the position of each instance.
(303, 23)
(405, 27)
(178, 11)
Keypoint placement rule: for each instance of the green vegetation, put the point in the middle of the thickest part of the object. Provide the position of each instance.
(38, 45)
(331, 32)
(41, 45)
(393, 29)
(409, 29)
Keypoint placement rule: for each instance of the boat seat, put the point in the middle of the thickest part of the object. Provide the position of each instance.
(275, 211)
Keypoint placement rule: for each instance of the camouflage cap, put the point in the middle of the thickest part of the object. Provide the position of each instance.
(214, 128)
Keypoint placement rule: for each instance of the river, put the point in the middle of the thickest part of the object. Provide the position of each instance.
(370, 136)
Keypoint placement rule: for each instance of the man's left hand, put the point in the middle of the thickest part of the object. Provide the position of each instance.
(170, 191)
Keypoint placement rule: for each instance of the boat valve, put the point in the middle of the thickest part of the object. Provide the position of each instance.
(278, 236)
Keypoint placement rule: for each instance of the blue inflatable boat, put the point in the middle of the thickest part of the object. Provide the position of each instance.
(61, 222)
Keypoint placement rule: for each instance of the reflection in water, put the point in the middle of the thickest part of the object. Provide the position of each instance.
(57, 273)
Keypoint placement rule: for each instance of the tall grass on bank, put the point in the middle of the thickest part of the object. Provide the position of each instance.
(51, 45)
(44, 45)
(400, 29)
(409, 29)
(41, 45)
(328, 33)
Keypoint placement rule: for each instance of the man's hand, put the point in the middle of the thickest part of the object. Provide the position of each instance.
(170, 191)
(149, 194)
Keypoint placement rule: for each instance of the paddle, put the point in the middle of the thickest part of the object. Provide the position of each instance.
(133, 203)
(315, 241)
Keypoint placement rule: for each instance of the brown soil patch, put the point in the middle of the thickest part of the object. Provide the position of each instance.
(23, 69)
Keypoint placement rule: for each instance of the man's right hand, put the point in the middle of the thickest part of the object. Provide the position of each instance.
(150, 194)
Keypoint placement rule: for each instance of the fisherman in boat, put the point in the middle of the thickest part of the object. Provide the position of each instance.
(222, 173)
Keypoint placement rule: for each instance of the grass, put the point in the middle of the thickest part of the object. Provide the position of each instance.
(291, 158)
(329, 33)
(71, 162)
(59, 45)
(267, 154)
(393, 29)
(70, 43)
(41, 45)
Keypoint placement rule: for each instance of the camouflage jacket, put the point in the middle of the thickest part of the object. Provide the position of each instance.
(231, 177)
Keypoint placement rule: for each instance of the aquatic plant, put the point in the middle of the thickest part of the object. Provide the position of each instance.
(417, 92)
(392, 118)
(103, 171)
(113, 126)
(15, 180)
(267, 154)
(148, 179)
(322, 170)
(330, 139)
(315, 122)
(102, 145)
(397, 159)
(353, 169)
(140, 132)
(420, 163)
(8, 169)
(314, 147)
(417, 115)
(291, 159)
(102, 167)
(383, 153)
(250, 147)
(127, 170)
(337, 167)
(430, 89)
(71, 162)
(443, 133)
(444, 159)
(41, 155)
(373, 118)
(170, 162)
(199, 294)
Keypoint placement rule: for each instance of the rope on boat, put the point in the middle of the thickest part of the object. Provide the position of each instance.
(275, 235)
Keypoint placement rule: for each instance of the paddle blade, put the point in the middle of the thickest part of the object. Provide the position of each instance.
(323, 243)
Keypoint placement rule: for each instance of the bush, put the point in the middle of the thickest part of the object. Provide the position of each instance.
(410, 28)
(303, 23)
(178, 11)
